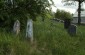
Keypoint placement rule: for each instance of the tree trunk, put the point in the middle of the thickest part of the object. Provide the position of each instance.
(79, 13)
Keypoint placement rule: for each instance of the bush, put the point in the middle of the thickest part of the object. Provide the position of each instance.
(61, 14)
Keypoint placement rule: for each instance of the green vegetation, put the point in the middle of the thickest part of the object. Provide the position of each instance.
(50, 38)
(11, 10)
(61, 14)
(11, 44)
(79, 7)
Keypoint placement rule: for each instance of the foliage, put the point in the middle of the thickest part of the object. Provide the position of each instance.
(60, 14)
(11, 10)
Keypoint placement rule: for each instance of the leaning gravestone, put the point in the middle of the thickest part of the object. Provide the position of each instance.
(16, 27)
(72, 29)
(29, 30)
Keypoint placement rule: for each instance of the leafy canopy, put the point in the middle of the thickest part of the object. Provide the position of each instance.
(60, 14)
(18, 8)
(10, 10)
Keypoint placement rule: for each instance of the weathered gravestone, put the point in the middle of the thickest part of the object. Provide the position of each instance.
(29, 30)
(72, 29)
(16, 27)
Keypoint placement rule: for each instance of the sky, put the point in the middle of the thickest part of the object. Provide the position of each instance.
(60, 5)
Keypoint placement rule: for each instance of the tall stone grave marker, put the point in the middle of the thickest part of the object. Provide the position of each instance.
(72, 29)
(29, 30)
(16, 27)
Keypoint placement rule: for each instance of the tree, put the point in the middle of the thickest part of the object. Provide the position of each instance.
(79, 9)
(66, 16)
(61, 14)
(11, 10)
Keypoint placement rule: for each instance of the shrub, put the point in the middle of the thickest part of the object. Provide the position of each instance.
(61, 14)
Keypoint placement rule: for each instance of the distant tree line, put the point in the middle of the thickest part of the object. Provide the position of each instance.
(61, 14)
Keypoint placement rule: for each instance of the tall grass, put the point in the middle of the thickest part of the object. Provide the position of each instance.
(55, 40)
(12, 45)
(50, 38)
